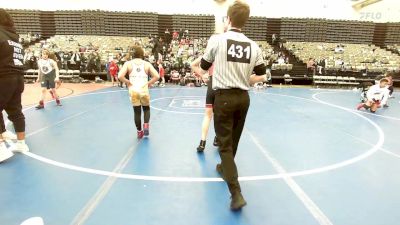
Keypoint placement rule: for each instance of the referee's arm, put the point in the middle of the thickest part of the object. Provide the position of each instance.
(196, 67)
(259, 70)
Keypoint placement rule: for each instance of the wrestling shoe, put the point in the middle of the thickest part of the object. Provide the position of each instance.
(146, 129)
(201, 146)
(140, 134)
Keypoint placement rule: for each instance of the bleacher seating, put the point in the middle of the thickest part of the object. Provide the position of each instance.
(355, 56)
(108, 30)
(334, 81)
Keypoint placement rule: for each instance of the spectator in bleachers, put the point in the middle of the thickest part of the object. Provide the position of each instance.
(108, 68)
(339, 49)
(175, 35)
(91, 62)
(286, 59)
(180, 34)
(167, 36)
(58, 57)
(321, 64)
(32, 63)
(281, 60)
(274, 39)
(75, 61)
(311, 67)
(339, 63)
(180, 51)
(161, 71)
(83, 62)
(364, 69)
(164, 52)
(65, 61)
(280, 44)
(175, 76)
(82, 49)
(157, 46)
(98, 60)
(125, 58)
(27, 56)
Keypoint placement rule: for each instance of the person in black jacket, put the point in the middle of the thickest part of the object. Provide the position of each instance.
(11, 84)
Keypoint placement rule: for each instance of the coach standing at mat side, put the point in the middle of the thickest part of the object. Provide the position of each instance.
(11, 84)
(235, 58)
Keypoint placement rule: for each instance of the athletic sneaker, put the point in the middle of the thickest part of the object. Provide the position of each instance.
(20, 147)
(201, 146)
(4, 152)
(7, 135)
(58, 102)
(146, 129)
(237, 201)
(140, 134)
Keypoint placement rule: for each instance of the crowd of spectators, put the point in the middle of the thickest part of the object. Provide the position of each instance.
(172, 53)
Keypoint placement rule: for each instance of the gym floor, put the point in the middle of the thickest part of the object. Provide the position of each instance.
(306, 156)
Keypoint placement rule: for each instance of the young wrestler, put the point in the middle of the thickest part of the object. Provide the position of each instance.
(48, 77)
(138, 85)
(377, 95)
(210, 96)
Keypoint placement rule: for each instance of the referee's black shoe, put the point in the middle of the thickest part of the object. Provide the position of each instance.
(216, 142)
(201, 146)
(237, 201)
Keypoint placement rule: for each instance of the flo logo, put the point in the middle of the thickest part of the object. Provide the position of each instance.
(370, 16)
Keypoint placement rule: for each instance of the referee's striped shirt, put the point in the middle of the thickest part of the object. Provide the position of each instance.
(235, 57)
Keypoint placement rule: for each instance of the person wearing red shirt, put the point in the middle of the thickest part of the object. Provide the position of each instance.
(113, 70)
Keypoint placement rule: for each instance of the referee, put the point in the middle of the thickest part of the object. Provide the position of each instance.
(235, 59)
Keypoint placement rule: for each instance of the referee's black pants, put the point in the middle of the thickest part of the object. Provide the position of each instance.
(230, 110)
(11, 89)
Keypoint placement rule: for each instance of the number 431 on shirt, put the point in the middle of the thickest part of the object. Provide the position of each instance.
(238, 51)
